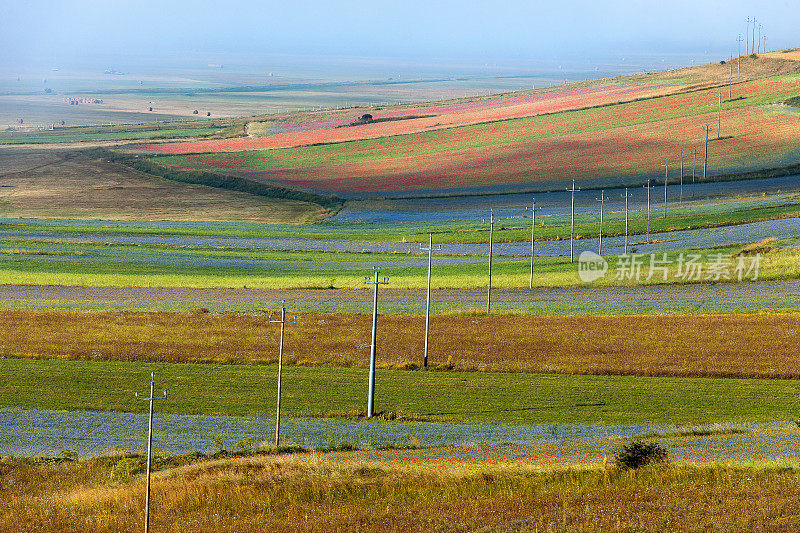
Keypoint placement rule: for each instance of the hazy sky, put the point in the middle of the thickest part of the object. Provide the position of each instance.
(50, 33)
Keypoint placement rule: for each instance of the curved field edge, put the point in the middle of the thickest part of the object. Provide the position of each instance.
(707, 214)
(220, 181)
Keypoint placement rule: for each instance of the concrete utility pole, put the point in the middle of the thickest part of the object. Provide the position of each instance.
(572, 223)
(149, 446)
(491, 246)
(747, 37)
(372, 356)
(719, 115)
(533, 238)
(666, 164)
(707, 129)
(759, 38)
(626, 196)
(602, 201)
(648, 209)
(694, 165)
(282, 322)
(739, 57)
(681, 189)
(430, 250)
(730, 79)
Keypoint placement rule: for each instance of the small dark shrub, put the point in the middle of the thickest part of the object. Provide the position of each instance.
(638, 454)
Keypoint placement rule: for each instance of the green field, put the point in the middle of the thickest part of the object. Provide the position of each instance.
(48, 138)
(462, 396)
(691, 215)
(129, 265)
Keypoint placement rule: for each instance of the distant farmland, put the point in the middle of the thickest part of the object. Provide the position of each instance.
(521, 142)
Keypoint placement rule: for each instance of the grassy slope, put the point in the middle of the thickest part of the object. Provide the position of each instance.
(482, 148)
(470, 396)
(302, 493)
(504, 132)
(66, 184)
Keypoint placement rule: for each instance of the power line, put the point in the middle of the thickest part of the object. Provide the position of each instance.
(149, 446)
(430, 249)
(572, 223)
(747, 37)
(680, 201)
(666, 164)
(372, 356)
(694, 153)
(626, 196)
(533, 238)
(602, 201)
(282, 322)
(491, 244)
(648, 209)
(707, 129)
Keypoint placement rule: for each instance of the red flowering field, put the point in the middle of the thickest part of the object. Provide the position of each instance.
(527, 141)
(321, 127)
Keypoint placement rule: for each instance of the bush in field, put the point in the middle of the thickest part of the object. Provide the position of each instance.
(126, 468)
(638, 454)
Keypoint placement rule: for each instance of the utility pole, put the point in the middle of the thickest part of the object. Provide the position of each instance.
(747, 37)
(739, 57)
(759, 37)
(282, 322)
(430, 250)
(694, 165)
(602, 200)
(372, 356)
(648, 209)
(680, 202)
(533, 238)
(626, 196)
(719, 115)
(149, 446)
(707, 129)
(730, 79)
(572, 223)
(491, 244)
(666, 164)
